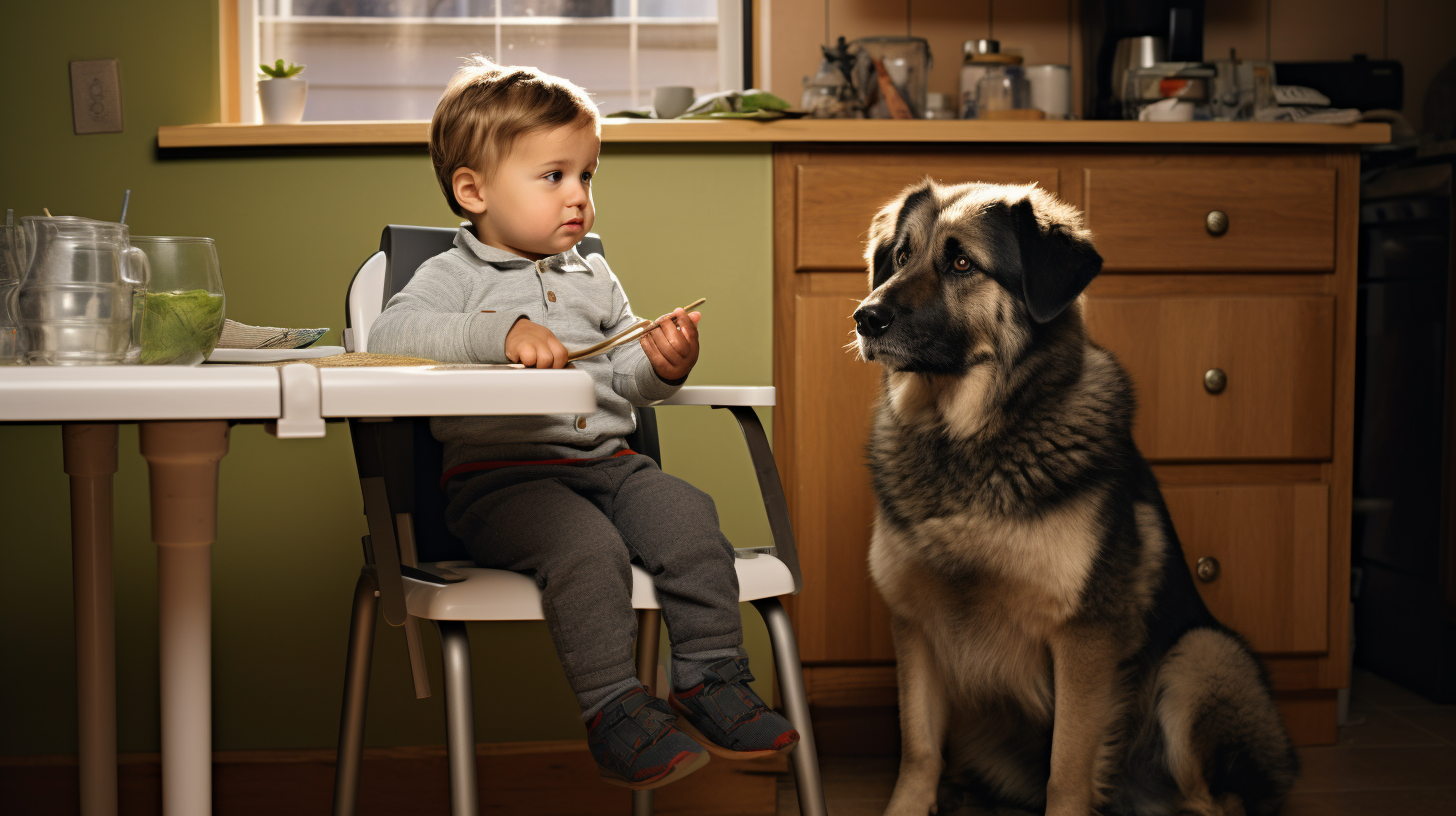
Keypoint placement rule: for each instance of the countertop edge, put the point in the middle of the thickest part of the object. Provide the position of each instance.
(626, 131)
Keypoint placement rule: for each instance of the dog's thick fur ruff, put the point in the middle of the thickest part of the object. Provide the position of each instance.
(1054, 654)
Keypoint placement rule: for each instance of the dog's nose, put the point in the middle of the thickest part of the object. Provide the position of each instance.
(873, 320)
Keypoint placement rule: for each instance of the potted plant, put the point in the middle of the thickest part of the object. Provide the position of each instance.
(281, 94)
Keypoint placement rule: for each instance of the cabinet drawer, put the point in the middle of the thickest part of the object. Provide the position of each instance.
(1157, 219)
(1271, 545)
(1276, 354)
(837, 202)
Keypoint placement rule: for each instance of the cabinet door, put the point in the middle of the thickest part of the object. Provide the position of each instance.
(1276, 358)
(837, 202)
(1271, 545)
(840, 615)
(1159, 219)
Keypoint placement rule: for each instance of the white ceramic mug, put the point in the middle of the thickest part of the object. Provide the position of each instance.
(671, 101)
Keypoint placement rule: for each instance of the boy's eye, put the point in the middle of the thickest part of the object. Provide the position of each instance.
(586, 177)
(553, 176)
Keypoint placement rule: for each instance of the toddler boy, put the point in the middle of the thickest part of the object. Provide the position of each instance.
(561, 496)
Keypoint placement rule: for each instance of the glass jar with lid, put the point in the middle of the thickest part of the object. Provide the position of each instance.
(980, 56)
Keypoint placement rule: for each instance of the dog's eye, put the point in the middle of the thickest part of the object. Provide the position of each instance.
(962, 264)
(902, 258)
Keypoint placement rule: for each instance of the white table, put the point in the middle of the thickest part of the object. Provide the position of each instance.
(184, 414)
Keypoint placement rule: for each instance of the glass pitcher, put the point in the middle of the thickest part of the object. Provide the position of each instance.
(10, 274)
(81, 301)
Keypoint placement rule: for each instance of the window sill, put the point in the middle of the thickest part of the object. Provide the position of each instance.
(335, 134)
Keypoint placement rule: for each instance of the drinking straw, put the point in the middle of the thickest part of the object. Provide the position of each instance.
(125, 199)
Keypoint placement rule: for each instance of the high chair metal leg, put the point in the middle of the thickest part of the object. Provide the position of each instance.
(649, 628)
(459, 721)
(356, 696)
(805, 757)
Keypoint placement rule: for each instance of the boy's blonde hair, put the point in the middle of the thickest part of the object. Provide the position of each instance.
(487, 107)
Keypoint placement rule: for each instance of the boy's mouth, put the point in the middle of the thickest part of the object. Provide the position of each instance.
(574, 223)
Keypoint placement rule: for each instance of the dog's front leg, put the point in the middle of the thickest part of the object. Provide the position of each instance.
(1084, 677)
(923, 716)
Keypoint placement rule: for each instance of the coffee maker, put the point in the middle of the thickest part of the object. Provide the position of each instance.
(1121, 35)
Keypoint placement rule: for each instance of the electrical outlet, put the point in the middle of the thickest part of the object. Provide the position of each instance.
(96, 96)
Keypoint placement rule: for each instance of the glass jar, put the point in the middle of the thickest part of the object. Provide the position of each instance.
(906, 62)
(1004, 87)
(184, 303)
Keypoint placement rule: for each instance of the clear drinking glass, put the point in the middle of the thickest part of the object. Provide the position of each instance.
(184, 302)
(80, 300)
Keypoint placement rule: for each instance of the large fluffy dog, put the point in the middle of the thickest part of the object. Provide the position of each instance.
(1053, 652)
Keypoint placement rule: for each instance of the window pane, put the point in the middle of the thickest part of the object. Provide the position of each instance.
(390, 59)
(557, 8)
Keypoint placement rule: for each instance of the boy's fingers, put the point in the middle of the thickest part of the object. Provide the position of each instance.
(559, 352)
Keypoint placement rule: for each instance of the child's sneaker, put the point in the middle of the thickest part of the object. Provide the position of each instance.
(724, 714)
(636, 746)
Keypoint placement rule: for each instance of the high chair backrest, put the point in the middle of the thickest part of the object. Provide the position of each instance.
(410, 457)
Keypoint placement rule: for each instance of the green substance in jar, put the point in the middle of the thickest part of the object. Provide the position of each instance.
(180, 327)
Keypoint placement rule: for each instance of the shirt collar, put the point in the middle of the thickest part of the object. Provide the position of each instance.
(568, 261)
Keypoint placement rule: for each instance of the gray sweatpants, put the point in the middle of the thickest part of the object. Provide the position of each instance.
(577, 528)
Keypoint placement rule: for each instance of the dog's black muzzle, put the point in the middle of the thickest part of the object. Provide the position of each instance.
(873, 320)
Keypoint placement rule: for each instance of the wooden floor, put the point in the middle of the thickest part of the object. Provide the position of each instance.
(1397, 757)
(540, 779)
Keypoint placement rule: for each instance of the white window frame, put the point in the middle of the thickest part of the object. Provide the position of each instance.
(730, 48)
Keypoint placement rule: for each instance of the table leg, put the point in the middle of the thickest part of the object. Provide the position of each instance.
(90, 461)
(183, 459)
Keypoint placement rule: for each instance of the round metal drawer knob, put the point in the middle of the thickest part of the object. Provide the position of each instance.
(1217, 222)
(1215, 381)
(1207, 569)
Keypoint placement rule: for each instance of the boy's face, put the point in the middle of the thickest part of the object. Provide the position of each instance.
(538, 201)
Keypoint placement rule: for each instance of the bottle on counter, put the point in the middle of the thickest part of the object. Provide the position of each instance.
(1002, 88)
(980, 56)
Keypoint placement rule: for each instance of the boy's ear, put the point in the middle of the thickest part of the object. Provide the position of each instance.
(469, 189)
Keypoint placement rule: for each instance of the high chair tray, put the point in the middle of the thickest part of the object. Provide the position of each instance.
(230, 355)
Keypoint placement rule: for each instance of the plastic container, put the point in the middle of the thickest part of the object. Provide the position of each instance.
(81, 300)
(184, 302)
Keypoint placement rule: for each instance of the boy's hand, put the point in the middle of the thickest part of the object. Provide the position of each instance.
(533, 345)
(672, 345)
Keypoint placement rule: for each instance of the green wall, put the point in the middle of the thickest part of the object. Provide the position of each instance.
(291, 227)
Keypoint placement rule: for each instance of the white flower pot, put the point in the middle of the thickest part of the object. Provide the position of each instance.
(282, 100)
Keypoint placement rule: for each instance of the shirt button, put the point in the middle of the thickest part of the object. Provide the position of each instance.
(581, 423)
(551, 296)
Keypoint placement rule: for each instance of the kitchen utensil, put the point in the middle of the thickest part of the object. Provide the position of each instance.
(636, 331)
(184, 302)
(80, 302)
(1133, 53)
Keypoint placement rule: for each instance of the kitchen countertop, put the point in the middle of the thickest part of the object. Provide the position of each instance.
(317, 134)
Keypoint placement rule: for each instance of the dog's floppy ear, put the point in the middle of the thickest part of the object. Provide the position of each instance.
(1057, 256)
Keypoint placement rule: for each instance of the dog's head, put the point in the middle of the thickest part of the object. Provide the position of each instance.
(960, 274)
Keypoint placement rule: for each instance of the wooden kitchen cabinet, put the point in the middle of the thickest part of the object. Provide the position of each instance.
(1257, 474)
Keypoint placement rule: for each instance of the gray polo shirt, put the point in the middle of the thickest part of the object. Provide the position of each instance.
(460, 305)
